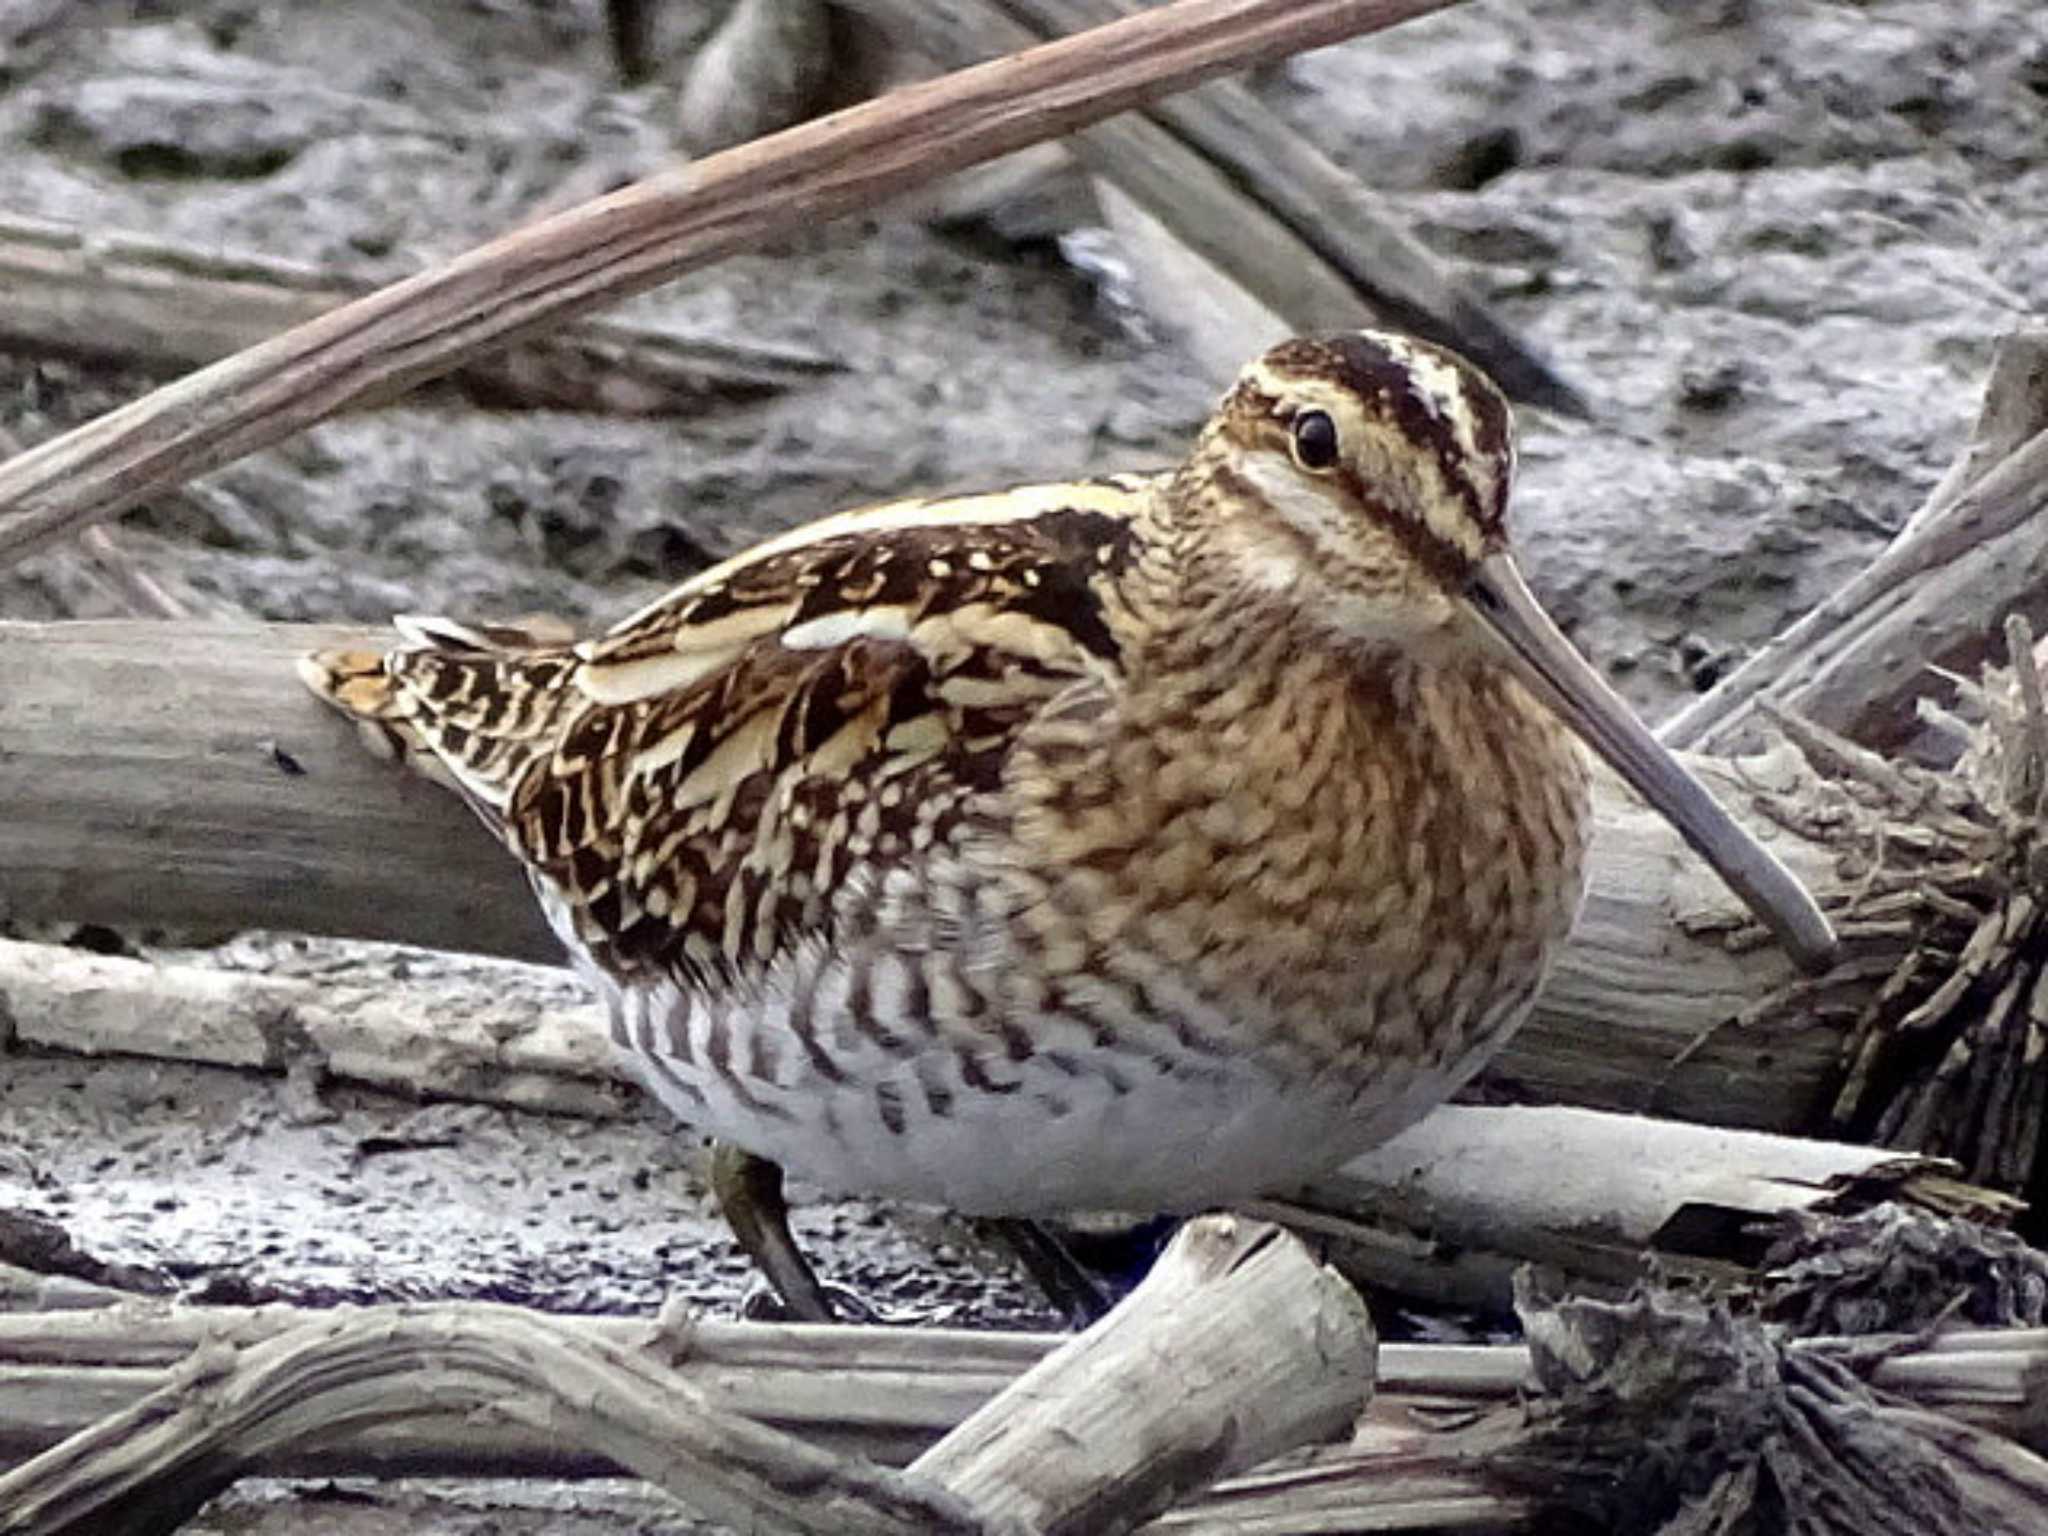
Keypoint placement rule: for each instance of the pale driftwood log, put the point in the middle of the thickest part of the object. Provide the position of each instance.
(1241, 191)
(1648, 1008)
(1974, 551)
(135, 300)
(30, 1290)
(1453, 1207)
(882, 1393)
(430, 1041)
(178, 776)
(890, 1393)
(1239, 1354)
(1185, 1381)
(643, 235)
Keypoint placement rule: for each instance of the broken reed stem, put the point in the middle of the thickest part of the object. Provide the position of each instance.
(645, 234)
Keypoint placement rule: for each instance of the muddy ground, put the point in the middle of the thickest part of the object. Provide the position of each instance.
(1773, 243)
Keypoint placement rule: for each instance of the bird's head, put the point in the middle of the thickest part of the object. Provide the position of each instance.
(1361, 480)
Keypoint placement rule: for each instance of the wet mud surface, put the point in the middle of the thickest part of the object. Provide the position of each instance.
(1774, 245)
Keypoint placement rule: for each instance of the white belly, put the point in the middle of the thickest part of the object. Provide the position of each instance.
(1134, 1133)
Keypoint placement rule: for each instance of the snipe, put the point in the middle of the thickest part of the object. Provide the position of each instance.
(1146, 842)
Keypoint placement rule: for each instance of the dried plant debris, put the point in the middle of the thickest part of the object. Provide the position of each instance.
(1674, 1415)
(1948, 1055)
(1894, 1269)
(35, 1245)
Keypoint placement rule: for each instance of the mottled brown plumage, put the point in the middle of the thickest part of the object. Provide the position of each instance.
(1145, 842)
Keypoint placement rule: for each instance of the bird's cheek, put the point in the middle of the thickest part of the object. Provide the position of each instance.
(1389, 617)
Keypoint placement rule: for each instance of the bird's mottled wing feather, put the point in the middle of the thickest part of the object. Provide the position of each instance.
(691, 789)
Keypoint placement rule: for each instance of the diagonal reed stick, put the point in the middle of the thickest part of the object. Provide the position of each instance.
(643, 235)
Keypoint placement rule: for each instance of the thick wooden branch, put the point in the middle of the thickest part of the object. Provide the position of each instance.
(1187, 1380)
(436, 1041)
(645, 234)
(1452, 1208)
(884, 1393)
(1234, 1349)
(1645, 1010)
(178, 776)
(138, 301)
(175, 776)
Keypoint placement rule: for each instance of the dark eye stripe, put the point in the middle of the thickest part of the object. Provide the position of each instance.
(1425, 546)
(1358, 365)
(1255, 417)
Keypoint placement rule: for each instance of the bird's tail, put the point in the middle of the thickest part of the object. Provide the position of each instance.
(467, 705)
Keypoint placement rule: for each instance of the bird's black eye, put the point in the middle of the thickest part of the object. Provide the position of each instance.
(1315, 440)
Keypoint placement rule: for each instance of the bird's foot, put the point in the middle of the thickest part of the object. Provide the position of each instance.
(1072, 1290)
(763, 1303)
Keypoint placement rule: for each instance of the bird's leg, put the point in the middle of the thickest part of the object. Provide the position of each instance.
(632, 32)
(1052, 1268)
(749, 1191)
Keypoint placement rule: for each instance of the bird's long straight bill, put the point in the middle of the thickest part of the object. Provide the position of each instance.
(1564, 680)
